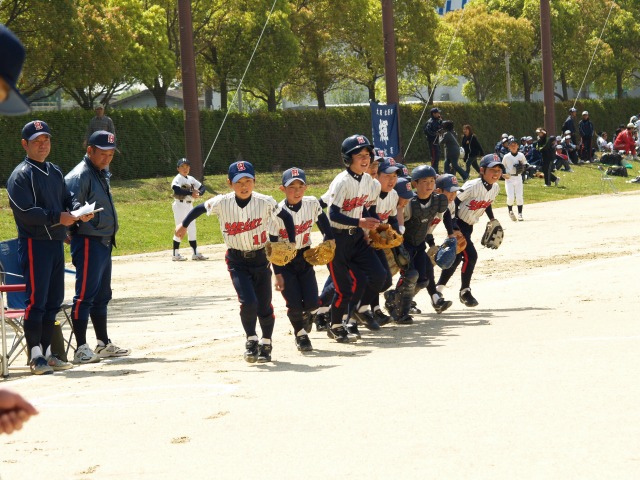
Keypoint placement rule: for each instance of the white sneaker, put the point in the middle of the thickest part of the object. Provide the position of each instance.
(520, 217)
(199, 256)
(178, 258)
(85, 355)
(512, 216)
(110, 350)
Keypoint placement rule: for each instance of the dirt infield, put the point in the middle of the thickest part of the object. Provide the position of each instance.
(538, 381)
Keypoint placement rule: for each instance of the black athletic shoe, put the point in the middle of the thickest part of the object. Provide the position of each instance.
(303, 343)
(381, 318)
(467, 298)
(404, 320)
(352, 331)
(264, 354)
(414, 309)
(321, 322)
(251, 353)
(367, 319)
(441, 305)
(389, 300)
(338, 333)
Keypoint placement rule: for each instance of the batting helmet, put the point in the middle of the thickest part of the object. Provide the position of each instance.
(354, 144)
(423, 171)
(446, 253)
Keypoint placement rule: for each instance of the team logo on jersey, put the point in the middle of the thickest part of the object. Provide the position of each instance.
(38, 125)
(478, 204)
(241, 166)
(240, 227)
(384, 216)
(352, 203)
(435, 221)
(300, 229)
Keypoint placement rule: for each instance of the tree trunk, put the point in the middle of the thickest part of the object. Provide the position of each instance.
(224, 92)
(526, 85)
(372, 91)
(272, 104)
(159, 92)
(208, 98)
(619, 89)
(322, 101)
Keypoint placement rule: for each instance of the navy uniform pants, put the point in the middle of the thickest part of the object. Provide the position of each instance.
(468, 257)
(251, 278)
(42, 263)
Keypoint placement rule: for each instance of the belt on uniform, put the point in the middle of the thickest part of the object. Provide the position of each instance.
(246, 253)
(185, 201)
(346, 231)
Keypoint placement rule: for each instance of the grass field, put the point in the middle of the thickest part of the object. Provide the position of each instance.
(146, 219)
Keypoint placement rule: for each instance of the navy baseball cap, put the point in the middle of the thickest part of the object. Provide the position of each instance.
(436, 110)
(11, 59)
(389, 165)
(34, 129)
(491, 160)
(403, 172)
(403, 187)
(241, 169)
(447, 182)
(378, 154)
(182, 161)
(103, 140)
(293, 174)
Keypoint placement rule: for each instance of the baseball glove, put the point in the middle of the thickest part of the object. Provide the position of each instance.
(384, 237)
(446, 253)
(401, 256)
(493, 234)
(280, 253)
(431, 253)
(462, 242)
(322, 254)
(520, 168)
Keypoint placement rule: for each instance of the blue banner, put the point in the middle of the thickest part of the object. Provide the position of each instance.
(384, 126)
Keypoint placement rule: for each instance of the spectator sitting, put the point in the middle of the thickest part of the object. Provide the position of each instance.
(625, 141)
(501, 146)
(562, 159)
(569, 148)
(603, 144)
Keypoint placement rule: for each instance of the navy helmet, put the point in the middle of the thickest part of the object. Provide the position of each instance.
(354, 144)
(423, 171)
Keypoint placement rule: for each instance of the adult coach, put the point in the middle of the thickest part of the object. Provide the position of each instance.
(99, 122)
(585, 127)
(432, 130)
(11, 60)
(91, 246)
(40, 207)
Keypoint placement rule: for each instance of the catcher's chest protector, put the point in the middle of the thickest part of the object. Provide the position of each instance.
(416, 227)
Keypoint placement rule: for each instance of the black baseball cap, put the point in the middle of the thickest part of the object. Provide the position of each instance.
(182, 161)
(11, 59)
(103, 140)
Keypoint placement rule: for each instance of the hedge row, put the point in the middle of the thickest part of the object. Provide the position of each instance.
(151, 140)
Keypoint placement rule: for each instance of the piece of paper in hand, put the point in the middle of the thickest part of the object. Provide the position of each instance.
(83, 210)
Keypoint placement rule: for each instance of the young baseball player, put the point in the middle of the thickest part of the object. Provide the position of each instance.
(244, 217)
(514, 163)
(185, 190)
(297, 279)
(473, 200)
(418, 214)
(355, 265)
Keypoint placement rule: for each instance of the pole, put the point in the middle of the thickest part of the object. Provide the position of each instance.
(506, 61)
(390, 68)
(548, 86)
(189, 90)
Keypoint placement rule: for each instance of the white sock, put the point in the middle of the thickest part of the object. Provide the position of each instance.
(377, 308)
(435, 297)
(48, 353)
(101, 343)
(464, 290)
(253, 337)
(36, 352)
(440, 288)
(364, 308)
(265, 341)
(301, 332)
(322, 310)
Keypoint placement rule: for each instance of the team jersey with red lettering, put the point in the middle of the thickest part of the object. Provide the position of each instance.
(474, 200)
(351, 195)
(303, 220)
(377, 189)
(388, 206)
(243, 228)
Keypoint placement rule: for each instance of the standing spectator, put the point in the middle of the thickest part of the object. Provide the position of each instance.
(40, 207)
(432, 130)
(99, 122)
(451, 151)
(625, 142)
(570, 124)
(547, 149)
(585, 127)
(91, 246)
(472, 149)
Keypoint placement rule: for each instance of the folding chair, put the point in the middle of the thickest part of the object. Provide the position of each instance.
(12, 317)
(606, 180)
